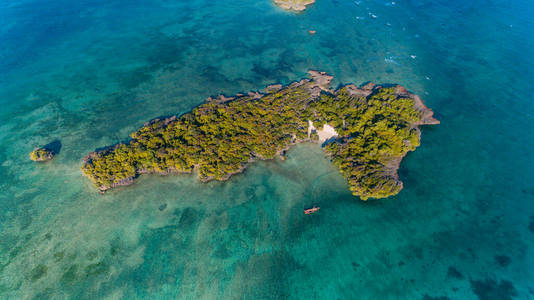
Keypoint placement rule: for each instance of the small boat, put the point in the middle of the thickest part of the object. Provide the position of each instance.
(310, 211)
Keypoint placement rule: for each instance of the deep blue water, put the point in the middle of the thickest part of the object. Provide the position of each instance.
(87, 73)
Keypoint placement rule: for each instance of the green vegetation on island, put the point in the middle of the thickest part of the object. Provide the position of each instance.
(41, 154)
(376, 132)
(376, 126)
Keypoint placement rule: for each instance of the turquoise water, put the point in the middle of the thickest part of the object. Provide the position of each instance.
(87, 73)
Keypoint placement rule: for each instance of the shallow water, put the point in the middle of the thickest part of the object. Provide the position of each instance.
(87, 73)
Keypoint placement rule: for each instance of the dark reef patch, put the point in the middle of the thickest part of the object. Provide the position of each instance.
(38, 272)
(490, 289)
(92, 255)
(189, 218)
(58, 256)
(454, 273)
(96, 269)
(222, 252)
(427, 297)
(134, 78)
(70, 275)
(503, 260)
(115, 247)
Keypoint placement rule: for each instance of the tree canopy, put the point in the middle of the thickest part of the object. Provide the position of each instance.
(376, 129)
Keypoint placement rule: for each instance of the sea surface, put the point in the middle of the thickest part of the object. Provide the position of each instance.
(81, 75)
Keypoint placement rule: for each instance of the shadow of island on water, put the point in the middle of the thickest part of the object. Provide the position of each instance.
(54, 146)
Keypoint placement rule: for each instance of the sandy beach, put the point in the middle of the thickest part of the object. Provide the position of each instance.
(324, 134)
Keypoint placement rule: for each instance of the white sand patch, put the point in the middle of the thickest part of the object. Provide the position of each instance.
(324, 134)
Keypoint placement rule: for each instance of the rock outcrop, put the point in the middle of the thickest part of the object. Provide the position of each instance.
(41, 154)
(296, 5)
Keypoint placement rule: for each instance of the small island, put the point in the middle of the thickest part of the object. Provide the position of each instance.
(366, 131)
(41, 154)
(297, 5)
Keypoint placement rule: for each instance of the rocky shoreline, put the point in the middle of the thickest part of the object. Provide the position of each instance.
(296, 5)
